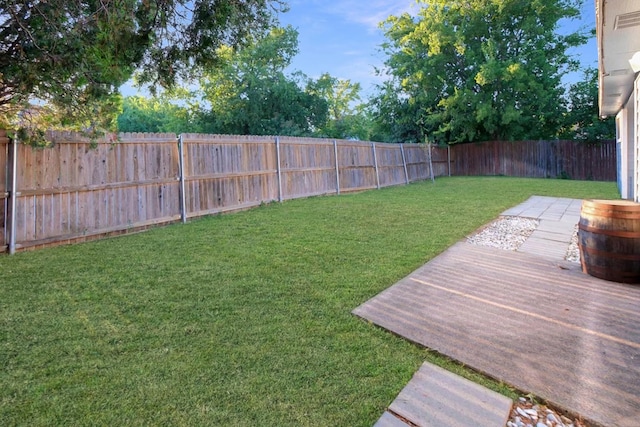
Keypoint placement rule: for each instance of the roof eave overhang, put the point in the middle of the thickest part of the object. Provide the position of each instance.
(618, 37)
(599, 29)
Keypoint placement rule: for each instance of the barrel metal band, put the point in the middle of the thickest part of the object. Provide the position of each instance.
(611, 255)
(614, 233)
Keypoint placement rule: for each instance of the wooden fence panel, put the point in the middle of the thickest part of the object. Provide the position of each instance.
(440, 160)
(225, 173)
(73, 191)
(76, 191)
(417, 158)
(308, 167)
(536, 159)
(589, 161)
(4, 189)
(357, 167)
(390, 164)
(471, 159)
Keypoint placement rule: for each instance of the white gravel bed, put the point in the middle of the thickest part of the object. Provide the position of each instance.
(573, 253)
(527, 413)
(510, 232)
(507, 232)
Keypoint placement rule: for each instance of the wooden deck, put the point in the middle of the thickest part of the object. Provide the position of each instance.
(539, 325)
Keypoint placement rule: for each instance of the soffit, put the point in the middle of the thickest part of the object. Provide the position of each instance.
(618, 33)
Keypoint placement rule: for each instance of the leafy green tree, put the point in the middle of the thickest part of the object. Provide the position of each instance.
(469, 70)
(582, 119)
(156, 114)
(73, 55)
(395, 115)
(249, 93)
(347, 117)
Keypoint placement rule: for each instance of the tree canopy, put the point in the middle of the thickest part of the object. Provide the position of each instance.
(347, 117)
(582, 121)
(157, 114)
(251, 91)
(469, 70)
(73, 55)
(458, 70)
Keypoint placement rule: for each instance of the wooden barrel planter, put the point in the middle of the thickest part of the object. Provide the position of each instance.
(609, 240)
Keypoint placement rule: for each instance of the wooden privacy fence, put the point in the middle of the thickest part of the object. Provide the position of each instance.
(74, 191)
(536, 159)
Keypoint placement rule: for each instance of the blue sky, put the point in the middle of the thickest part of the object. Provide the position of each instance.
(342, 37)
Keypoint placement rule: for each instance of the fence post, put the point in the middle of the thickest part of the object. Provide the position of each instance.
(183, 200)
(13, 194)
(5, 190)
(278, 168)
(335, 151)
(449, 158)
(404, 163)
(433, 179)
(375, 163)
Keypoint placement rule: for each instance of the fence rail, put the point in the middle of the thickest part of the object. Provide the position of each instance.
(74, 191)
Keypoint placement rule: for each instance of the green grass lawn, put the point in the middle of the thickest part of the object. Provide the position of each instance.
(239, 319)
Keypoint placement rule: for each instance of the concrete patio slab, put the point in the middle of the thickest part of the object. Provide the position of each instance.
(552, 208)
(545, 248)
(557, 217)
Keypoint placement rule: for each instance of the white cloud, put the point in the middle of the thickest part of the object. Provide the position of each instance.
(370, 12)
(354, 53)
(342, 37)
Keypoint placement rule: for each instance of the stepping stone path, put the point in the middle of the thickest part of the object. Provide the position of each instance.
(438, 398)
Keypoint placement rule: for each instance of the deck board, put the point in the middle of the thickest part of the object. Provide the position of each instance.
(389, 420)
(538, 324)
(437, 398)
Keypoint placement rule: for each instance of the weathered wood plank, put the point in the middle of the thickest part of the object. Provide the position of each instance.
(205, 177)
(86, 188)
(437, 398)
(82, 235)
(389, 420)
(564, 336)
